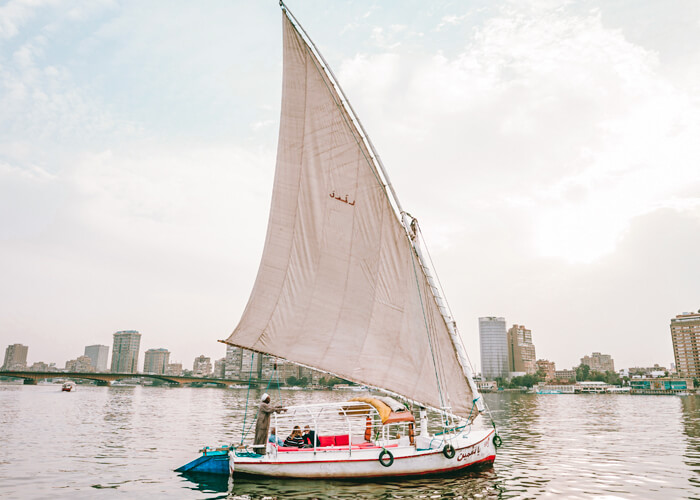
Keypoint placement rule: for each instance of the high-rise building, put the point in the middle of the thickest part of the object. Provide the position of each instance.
(521, 350)
(685, 335)
(201, 366)
(125, 351)
(234, 359)
(82, 364)
(547, 367)
(15, 357)
(155, 361)
(493, 345)
(220, 368)
(99, 355)
(599, 362)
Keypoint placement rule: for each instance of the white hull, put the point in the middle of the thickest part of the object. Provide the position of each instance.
(472, 448)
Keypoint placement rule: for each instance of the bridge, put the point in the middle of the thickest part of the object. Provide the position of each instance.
(32, 378)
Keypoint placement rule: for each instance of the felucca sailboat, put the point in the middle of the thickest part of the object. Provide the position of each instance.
(344, 287)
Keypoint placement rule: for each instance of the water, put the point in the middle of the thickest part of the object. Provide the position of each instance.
(124, 442)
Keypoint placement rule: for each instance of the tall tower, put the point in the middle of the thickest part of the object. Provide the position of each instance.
(156, 361)
(521, 350)
(685, 335)
(15, 357)
(494, 347)
(99, 355)
(125, 351)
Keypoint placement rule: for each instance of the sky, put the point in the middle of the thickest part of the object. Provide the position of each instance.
(550, 151)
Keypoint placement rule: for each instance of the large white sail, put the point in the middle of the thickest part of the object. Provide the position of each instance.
(340, 287)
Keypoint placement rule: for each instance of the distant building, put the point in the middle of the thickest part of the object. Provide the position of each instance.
(486, 385)
(666, 385)
(547, 367)
(654, 371)
(234, 360)
(39, 366)
(174, 369)
(685, 335)
(493, 345)
(15, 357)
(82, 364)
(521, 350)
(599, 362)
(564, 375)
(155, 361)
(242, 364)
(99, 355)
(220, 368)
(201, 366)
(125, 351)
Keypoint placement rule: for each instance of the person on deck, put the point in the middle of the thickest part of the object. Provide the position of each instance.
(274, 439)
(295, 440)
(263, 423)
(309, 437)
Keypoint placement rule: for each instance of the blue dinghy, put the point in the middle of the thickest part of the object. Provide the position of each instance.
(212, 461)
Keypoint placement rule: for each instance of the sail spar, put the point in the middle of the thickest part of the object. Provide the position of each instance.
(340, 287)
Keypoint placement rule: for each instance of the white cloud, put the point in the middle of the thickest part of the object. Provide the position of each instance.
(580, 125)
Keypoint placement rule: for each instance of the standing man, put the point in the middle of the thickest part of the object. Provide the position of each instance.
(263, 423)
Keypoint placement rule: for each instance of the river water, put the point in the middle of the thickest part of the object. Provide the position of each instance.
(124, 442)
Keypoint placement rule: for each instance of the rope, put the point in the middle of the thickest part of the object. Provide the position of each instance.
(245, 415)
(427, 329)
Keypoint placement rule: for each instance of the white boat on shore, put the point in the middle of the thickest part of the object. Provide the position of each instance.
(345, 287)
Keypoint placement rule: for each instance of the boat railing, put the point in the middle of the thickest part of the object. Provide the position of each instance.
(359, 421)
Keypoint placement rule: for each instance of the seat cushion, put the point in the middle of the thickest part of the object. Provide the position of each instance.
(342, 440)
(326, 441)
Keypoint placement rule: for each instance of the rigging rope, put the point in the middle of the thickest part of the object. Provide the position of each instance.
(247, 396)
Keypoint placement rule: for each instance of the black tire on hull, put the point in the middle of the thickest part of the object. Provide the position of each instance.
(386, 463)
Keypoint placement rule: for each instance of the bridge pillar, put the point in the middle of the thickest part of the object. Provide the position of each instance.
(102, 383)
(29, 381)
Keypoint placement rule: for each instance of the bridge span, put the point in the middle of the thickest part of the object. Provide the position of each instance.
(32, 378)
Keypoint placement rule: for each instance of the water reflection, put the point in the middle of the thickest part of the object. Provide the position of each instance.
(691, 427)
(127, 441)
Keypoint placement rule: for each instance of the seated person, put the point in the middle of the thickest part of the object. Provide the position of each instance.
(295, 440)
(274, 439)
(310, 437)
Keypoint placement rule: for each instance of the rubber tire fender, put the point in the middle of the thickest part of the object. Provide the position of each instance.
(381, 458)
(497, 441)
(449, 451)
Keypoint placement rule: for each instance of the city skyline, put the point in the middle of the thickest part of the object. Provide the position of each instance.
(514, 351)
(549, 152)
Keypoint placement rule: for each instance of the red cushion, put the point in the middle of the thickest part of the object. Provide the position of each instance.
(343, 440)
(325, 440)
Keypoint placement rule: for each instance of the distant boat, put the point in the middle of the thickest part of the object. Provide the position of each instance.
(345, 287)
(67, 387)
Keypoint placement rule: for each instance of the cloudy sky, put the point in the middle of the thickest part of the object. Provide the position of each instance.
(551, 152)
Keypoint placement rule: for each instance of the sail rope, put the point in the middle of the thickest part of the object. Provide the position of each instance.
(449, 309)
(247, 397)
(427, 329)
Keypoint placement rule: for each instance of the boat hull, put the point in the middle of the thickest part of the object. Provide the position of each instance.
(469, 450)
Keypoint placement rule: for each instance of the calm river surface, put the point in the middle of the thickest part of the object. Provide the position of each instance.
(124, 442)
